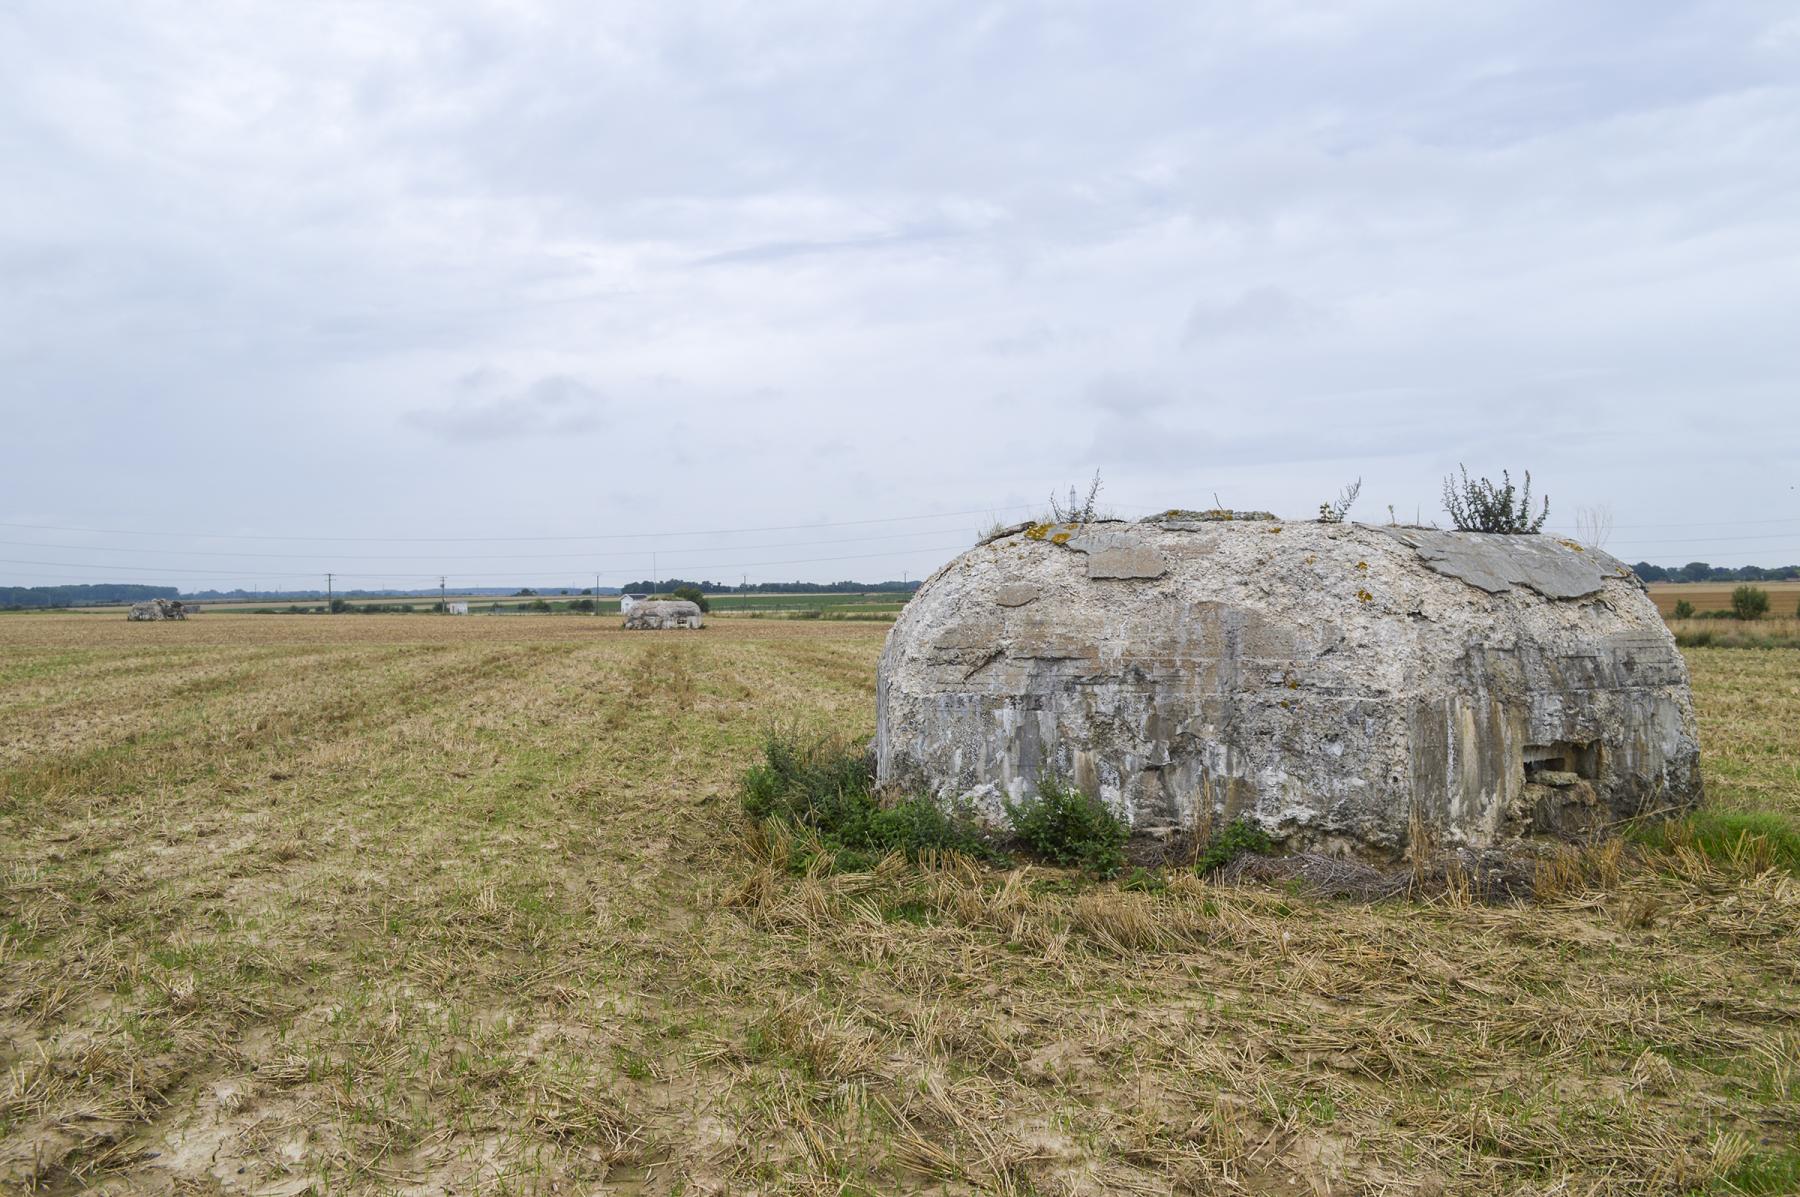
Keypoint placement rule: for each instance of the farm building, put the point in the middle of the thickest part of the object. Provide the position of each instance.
(1333, 683)
(456, 608)
(662, 614)
(628, 601)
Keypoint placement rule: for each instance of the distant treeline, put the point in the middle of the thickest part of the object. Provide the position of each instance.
(665, 585)
(430, 592)
(1700, 571)
(17, 597)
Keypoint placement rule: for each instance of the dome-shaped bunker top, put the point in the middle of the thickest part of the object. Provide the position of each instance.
(1158, 545)
(1310, 674)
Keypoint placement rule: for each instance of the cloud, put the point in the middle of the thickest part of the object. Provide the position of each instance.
(1126, 396)
(1259, 311)
(480, 411)
(901, 258)
(1142, 423)
(776, 251)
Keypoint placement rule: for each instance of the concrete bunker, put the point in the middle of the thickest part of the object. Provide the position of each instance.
(156, 609)
(663, 615)
(1337, 684)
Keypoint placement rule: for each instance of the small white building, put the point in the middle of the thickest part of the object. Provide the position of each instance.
(628, 601)
(457, 608)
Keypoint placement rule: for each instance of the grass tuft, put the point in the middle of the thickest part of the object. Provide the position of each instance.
(1750, 842)
(1240, 837)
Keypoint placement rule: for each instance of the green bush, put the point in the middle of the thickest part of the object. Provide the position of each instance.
(693, 595)
(537, 604)
(826, 788)
(1684, 610)
(1749, 602)
(1239, 838)
(1067, 827)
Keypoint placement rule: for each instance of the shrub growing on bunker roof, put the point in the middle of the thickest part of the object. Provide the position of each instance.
(1477, 505)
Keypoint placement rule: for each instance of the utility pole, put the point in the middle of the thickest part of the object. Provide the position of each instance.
(596, 594)
(328, 594)
(443, 598)
(655, 579)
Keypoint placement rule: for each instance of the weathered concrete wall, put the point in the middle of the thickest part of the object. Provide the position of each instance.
(156, 608)
(1326, 680)
(663, 615)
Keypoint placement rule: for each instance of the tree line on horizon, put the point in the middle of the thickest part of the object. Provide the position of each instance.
(1700, 571)
(13, 598)
(667, 585)
(84, 595)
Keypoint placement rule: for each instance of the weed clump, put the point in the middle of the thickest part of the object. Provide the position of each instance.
(1078, 510)
(1241, 837)
(1337, 510)
(1068, 827)
(826, 788)
(1478, 505)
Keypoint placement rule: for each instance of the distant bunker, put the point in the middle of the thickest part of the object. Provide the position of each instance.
(1337, 684)
(156, 609)
(662, 615)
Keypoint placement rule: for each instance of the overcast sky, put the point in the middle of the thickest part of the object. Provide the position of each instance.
(436, 270)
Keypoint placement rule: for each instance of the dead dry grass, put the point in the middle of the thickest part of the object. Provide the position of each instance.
(419, 905)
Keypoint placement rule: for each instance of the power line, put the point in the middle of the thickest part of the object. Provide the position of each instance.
(440, 557)
(896, 519)
(94, 565)
(152, 569)
(1794, 536)
(941, 515)
(1696, 524)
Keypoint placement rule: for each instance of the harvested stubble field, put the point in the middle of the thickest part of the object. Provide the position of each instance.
(425, 905)
(1716, 596)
